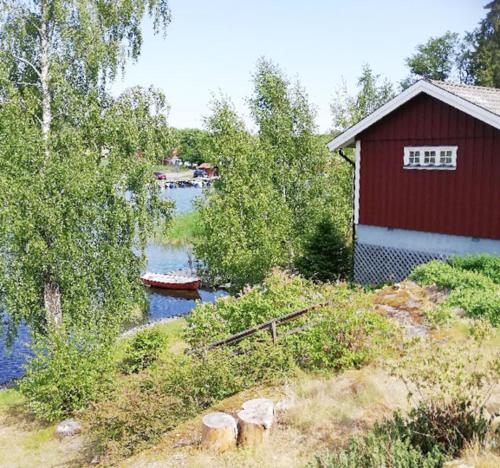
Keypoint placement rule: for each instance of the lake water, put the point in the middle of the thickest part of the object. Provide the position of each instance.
(161, 303)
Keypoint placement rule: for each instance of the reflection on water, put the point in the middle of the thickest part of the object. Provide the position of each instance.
(165, 303)
(183, 197)
(161, 302)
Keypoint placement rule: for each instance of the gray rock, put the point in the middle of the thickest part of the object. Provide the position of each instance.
(68, 428)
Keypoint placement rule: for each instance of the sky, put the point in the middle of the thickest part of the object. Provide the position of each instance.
(214, 45)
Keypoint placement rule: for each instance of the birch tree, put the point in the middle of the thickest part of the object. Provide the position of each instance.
(70, 153)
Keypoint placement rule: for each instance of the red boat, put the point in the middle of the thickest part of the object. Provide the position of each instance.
(171, 281)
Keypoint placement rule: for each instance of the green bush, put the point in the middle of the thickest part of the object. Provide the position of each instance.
(478, 303)
(342, 338)
(488, 265)
(327, 255)
(449, 277)
(473, 282)
(439, 315)
(383, 446)
(67, 372)
(143, 350)
(279, 294)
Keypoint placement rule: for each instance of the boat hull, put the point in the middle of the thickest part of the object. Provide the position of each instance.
(192, 285)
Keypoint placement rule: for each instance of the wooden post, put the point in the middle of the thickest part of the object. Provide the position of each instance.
(255, 421)
(273, 331)
(219, 432)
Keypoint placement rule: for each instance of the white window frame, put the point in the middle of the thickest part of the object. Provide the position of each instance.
(438, 165)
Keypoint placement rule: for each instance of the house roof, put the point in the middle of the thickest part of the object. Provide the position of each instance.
(479, 102)
(487, 98)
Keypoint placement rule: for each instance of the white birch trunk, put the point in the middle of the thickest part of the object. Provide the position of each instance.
(51, 292)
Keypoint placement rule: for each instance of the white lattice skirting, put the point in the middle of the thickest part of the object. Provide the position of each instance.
(374, 264)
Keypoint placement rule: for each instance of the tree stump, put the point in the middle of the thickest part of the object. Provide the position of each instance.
(254, 422)
(219, 432)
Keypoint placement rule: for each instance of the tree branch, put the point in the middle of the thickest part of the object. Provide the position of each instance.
(27, 62)
(25, 83)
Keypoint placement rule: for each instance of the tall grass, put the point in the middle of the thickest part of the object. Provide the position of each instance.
(183, 229)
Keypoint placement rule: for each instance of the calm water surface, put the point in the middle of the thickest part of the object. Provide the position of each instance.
(161, 303)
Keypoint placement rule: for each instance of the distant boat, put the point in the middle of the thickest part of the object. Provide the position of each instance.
(171, 281)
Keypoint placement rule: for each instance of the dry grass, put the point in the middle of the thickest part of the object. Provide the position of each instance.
(27, 443)
(323, 412)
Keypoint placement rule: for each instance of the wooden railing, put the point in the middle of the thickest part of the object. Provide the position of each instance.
(271, 325)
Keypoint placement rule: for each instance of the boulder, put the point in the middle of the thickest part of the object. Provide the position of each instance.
(68, 428)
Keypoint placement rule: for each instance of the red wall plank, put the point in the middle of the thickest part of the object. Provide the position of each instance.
(465, 201)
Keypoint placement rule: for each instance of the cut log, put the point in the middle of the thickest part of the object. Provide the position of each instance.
(254, 422)
(219, 432)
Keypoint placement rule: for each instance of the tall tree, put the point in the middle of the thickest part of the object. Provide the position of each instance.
(436, 59)
(286, 130)
(245, 224)
(276, 187)
(74, 183)
(192, 144)
(372, 92)
(482, 56)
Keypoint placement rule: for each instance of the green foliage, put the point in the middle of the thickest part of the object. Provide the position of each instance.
(439, 315)
(143, 350)
(488, 265)
(426, 437)
(478, 303)
(482, 53)
(244, 224)
(180, 388)
(372, 93)
(342, 337)
(382, 446)
(278, 294)
(473, 281)
(183, 229)
(326, 257)
(192, 144)
(76, 191)
(434, 60)
(67, 372)
(274, 186)
(446, 276)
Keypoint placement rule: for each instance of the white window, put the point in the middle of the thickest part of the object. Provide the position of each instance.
(430, 157)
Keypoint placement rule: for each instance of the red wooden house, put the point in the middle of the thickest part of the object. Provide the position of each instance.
(427, 178)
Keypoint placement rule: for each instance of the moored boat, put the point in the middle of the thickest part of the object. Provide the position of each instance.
(171, 281)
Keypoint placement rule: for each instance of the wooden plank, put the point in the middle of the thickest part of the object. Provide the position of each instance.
(269, 324)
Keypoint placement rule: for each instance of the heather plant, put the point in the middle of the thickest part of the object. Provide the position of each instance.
(384, 446)
(443, 374)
